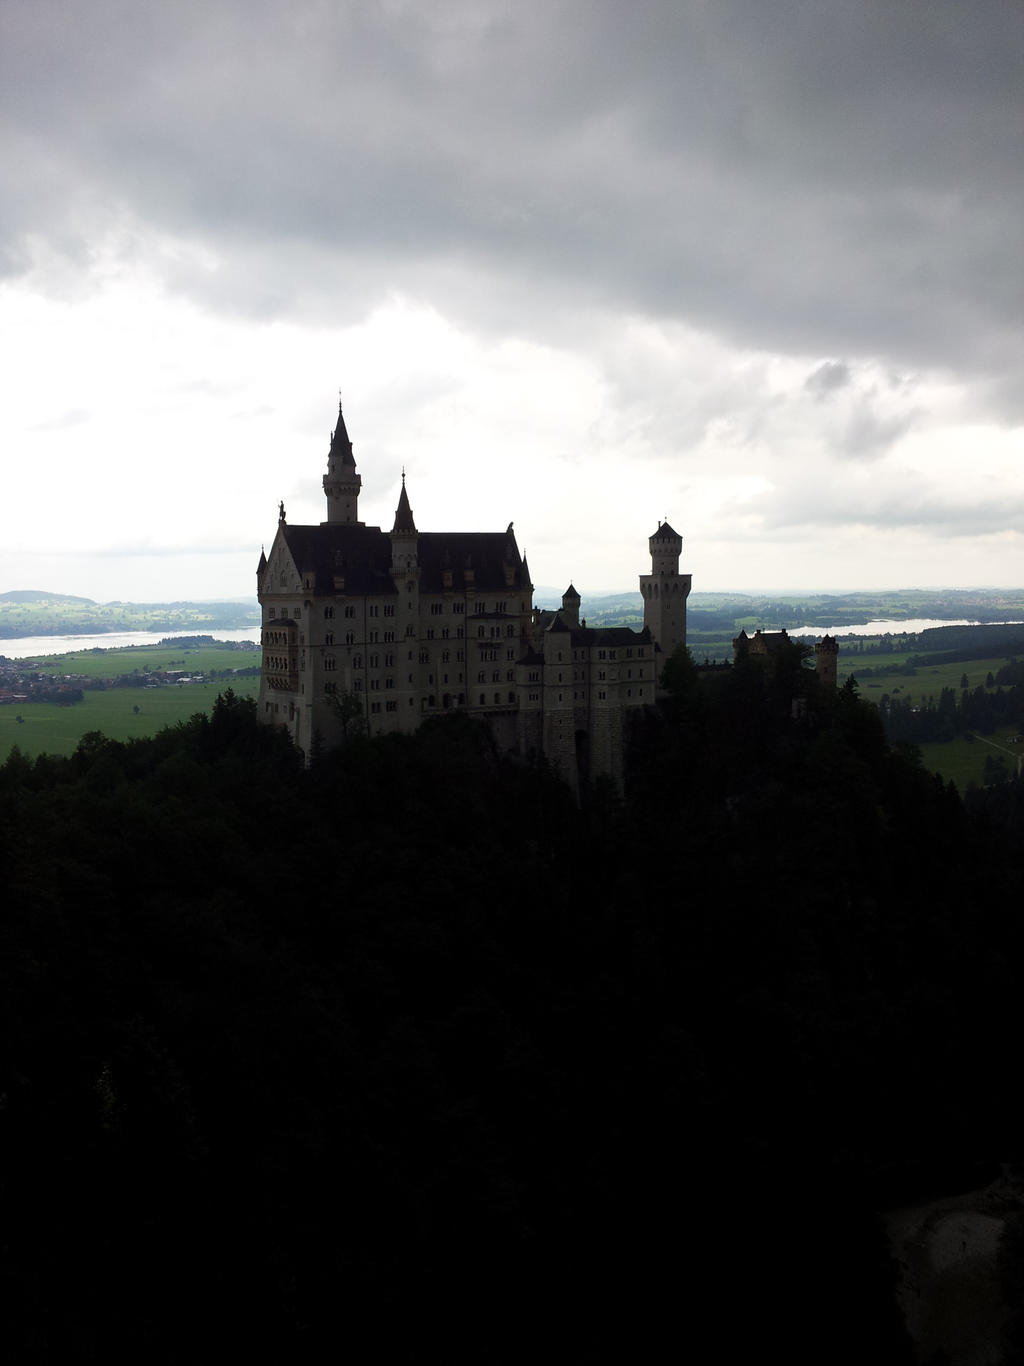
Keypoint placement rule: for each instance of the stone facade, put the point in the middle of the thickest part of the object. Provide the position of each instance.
(388, 628)
(767, 647)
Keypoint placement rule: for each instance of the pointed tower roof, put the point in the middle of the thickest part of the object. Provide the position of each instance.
(570, 592)
(665, 533)
(341, 446)
(403, 514)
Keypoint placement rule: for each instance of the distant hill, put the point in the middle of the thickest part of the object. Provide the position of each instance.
(29, 613)
(23, 595)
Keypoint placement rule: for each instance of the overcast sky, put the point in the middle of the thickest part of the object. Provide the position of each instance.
(753, 266)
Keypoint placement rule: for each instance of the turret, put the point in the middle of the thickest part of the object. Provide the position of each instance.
(404, 536)
(571, 606)
(341, 482)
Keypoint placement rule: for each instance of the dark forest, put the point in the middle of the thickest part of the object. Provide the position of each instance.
(407, 1057)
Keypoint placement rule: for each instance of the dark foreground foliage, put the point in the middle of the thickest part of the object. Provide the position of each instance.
(406, 1058)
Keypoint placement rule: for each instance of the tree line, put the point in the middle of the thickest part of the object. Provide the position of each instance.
(408, 1055)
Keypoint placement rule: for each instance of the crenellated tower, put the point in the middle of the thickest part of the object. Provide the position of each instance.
(665, 590)
(341, 482)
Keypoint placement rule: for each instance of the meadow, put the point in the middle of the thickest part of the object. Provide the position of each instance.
(100, 663)
(120, 713)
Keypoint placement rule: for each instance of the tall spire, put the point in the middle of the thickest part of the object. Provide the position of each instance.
(341, 482)
(341, 446)
(404, 523)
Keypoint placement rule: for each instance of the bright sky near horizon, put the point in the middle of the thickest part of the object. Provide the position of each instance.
(754, 268)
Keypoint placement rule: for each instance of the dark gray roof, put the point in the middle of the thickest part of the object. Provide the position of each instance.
(610, 635)
(665, 533)
(363, 555)
(341, 446)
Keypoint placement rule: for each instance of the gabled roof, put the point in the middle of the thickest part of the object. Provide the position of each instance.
(362, 554)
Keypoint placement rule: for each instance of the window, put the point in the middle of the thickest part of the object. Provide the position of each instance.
(458, 608)
(328, 613)
(350, 611)
(388, 636)
(445, 656)
(391, 706)
(330, 687)
(349, 638)
(375, 706)
(481, 607)
(375, 661)
(329, 638)
(389, 611)
(330, 663)
(436, 608)
(374, 612)
(501, 607)
(389, 661)
(430, 633)
(389, 683)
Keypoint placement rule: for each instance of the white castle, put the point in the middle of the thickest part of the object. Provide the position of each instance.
(390, 628)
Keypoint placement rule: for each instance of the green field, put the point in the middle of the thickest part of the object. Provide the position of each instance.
(926, 682)
(963, 760)
(99, 663)
(50, 729)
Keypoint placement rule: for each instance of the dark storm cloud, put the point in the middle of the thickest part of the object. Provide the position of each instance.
(833, 180)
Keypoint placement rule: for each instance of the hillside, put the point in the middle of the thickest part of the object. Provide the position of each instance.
(408, 1047)
(30, 613)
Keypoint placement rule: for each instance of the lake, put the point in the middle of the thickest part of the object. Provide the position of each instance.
(29, 647)
(896, 628)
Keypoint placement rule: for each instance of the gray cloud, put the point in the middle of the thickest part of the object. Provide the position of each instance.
(829, 376)
(840, 184)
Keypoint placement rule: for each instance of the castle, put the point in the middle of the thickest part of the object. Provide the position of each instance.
(389, 628)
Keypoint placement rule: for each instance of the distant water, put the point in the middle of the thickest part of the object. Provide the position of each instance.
(42, 647)
(896, 628)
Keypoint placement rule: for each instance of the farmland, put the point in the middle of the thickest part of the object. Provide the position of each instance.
(126, 694)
